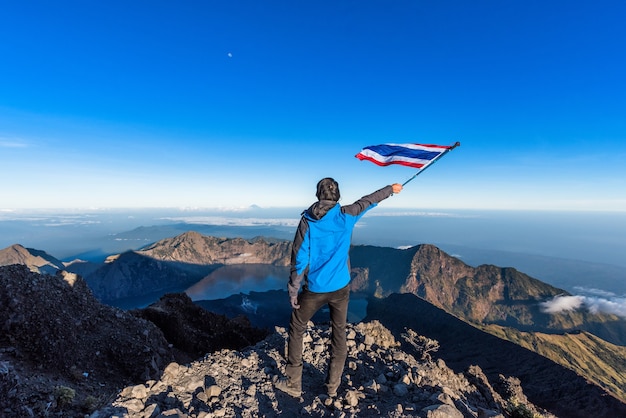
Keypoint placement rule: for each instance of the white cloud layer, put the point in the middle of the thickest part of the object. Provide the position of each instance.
(616, 306)
(562, 303)
(596, 301)
(229, 221)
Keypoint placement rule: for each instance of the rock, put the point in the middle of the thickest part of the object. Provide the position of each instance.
(442, 411)
(137, 391)
(352, 397)
(486, 413)
(400, 390)
(151, 411)
(172, 413)
(213, 391)
(194, 331)
(173, 370)
(133, 406)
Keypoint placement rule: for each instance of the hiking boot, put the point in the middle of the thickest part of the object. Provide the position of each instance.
(286, 386)
(331, 390)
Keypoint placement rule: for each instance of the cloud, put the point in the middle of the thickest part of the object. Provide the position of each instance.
(228, 221)
(615, 306)
(404, 247)
(562, 303)
(602, 302)
(47, 221)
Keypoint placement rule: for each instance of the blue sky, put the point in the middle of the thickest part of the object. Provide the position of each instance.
(234, 103)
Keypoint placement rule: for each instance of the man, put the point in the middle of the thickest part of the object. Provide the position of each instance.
(319, 258)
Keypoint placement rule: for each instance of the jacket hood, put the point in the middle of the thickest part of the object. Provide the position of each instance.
(318, 209)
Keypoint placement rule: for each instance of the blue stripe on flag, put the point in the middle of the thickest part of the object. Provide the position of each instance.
(389, 150)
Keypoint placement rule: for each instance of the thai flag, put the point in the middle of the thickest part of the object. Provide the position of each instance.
(411, 155)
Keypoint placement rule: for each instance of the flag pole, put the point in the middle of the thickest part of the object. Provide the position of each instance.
(457, 144)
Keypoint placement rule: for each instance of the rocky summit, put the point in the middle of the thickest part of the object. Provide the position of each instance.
(64, 354)
(380, 380)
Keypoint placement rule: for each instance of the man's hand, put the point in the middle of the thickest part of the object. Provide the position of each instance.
(396, 188)
(294, 302)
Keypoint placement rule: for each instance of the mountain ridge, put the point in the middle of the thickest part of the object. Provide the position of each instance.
(173, 264)
(501, 295)
(36, 260)
(484, 294)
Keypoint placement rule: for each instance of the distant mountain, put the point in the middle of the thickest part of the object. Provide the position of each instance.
(485, 294)
(560, 272)
(150, 234)
(174, 264)
(194, 248)
(36, 260)
(132, 274)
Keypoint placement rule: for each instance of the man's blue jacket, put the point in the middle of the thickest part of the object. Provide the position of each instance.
(320, 252)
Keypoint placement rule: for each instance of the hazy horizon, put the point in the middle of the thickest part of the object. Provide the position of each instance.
(581, 252)
(590, 236)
